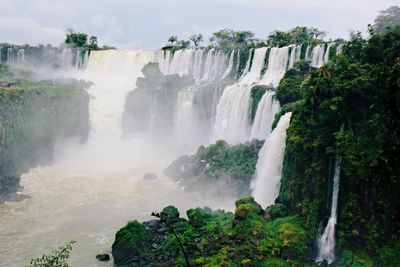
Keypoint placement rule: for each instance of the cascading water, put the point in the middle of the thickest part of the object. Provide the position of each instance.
(114, 73)
(328, 49)
(230, 64)
(266, 110)
(232, 119)
(277, 65)
(91, 190)
(186, 128)
(266, 184)
(326, 244)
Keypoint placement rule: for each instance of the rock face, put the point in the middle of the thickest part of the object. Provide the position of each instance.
(33, 116)
(219, 169)
(150, 176)
(148, 103)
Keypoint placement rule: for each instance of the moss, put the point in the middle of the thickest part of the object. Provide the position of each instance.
(256, 94)
(170, 213)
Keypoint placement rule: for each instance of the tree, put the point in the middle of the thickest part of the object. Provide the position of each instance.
(387, 19)
(93, 40)
(58, 258)
(315, 33)
(196, 39)
(172, 39)
(297, 35)
(228, 39)
(76, 39)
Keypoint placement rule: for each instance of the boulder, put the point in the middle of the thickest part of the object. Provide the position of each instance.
(103, 257)
(150, 176)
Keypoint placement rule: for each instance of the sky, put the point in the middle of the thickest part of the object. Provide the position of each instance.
(133, 24)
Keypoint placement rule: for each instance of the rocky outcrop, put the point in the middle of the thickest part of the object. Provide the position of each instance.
(219, 169)
(213, 238)
(33, 117)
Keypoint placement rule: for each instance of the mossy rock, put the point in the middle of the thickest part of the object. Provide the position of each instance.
(131, 244)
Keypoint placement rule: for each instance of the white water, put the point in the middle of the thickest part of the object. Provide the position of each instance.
(92, 190)
(187, 127)
(232, 119)
(277, 65)
(114, 73)
(320, 55)
(326, 244)
(266, 184)
(266, 110)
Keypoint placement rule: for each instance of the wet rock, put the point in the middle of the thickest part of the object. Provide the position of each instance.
(103, 257)
(150, 176)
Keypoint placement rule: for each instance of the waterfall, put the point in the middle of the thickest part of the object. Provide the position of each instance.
(307, 53)
(266, 184)
(326, 244)
(294, 54)
(318, 55)
(248, 63)
(256, 67)
(114, 73)
(232, 119)
(230, 65)
(326, 56)
(339, 49)
(192, 62)
(277, 65)
(266, 110)
(186, 123)
(21, 55)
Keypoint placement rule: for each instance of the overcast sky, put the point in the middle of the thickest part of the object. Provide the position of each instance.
(134, 24)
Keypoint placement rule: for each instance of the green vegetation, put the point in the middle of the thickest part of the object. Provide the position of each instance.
(289, 89)
(256, 94)
(228, 39)
(34, 115)
(81, 40)
(196, 39)
(58, 258)
(387, 20)
(361, 90)
(216, 238)
(297, 35)
(231, 166)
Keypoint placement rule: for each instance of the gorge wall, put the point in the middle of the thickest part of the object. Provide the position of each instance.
(33, 117)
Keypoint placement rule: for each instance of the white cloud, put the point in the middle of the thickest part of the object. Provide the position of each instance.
(28, 30)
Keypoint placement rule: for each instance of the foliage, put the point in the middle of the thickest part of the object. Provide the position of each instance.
(219, 238)
(34, 115)
(387, 20)
(289, 89)
(196, 39)
(228, 39)
(81, 40)
(58, 258)
(389, 255)
(350, 259)
(233, 166)
(359, 89)
(299, 35)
